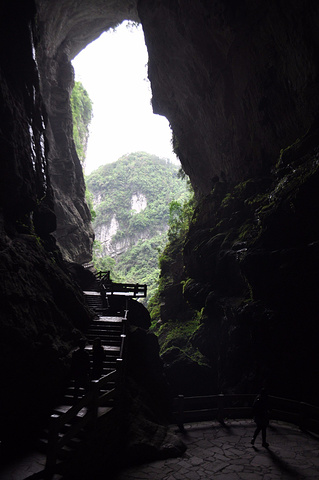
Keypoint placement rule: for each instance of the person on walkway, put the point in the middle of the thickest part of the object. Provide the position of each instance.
(80, 369)
(98, 358)
(261, 417)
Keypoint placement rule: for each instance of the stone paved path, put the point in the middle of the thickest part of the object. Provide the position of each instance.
(225, 453)
(216, 453)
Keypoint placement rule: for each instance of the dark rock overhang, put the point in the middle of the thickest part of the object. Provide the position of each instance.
(64, 28)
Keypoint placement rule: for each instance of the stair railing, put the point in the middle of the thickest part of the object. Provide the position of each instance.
(223, 406)
(94, 399)
(120, 368)
(108, 287)
(135, 290)
(91, 402)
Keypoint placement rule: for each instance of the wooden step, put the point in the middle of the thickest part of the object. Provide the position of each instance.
(109, 329)
(106, 341)
(113, 327)
(110, 319)
(104, 333)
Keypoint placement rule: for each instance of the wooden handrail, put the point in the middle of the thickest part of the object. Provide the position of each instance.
(113, 288)
(91, 401)
(224, 406)
(134, 289)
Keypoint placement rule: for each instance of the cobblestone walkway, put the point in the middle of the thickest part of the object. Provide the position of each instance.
(215, 452)
(225, 453)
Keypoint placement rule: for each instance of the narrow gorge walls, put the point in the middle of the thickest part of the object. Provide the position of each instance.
(236, 80)
(41, 308)
(64, 29)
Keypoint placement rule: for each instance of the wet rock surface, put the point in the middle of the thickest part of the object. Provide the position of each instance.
(227, 76)
(251, 257)
(42, 309)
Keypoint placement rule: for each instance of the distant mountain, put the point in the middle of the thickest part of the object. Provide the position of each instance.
(131, 199)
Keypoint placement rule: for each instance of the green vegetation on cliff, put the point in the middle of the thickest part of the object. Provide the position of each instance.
(173, 321)
(148, 178)
(81, 106)
(133, 199)
(180, 216)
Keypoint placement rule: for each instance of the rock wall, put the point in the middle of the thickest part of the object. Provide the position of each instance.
(65, 29)
(247, 272)
(237, 80)
(238, 83)
(251, 263)
(41, 307)
(104, 232)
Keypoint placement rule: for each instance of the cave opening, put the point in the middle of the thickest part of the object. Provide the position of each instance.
(113, 70)
(124, 130)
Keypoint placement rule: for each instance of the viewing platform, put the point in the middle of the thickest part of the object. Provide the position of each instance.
(109, 288)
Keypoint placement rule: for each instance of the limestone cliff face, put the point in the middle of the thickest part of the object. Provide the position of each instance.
(238, 83)
(73, 233)
(237, 80)
(105, 233)
(248, 270)
(42, 309)
(64, 30)
(251, 259)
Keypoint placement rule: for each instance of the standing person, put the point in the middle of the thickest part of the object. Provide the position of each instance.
(261, 417)
(80, 369)
(98, 358)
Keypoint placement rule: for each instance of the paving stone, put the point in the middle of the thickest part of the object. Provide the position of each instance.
(196, 461)
(183, 464)
(180, 475)
(218, 453)
(203, 474)
(172, 468)
(228, 476)
(219, 466)
(253, 476)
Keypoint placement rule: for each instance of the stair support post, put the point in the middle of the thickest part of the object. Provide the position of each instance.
(95, 388)
(52, 454)
(180, 413)
(302, 416)
(221, 405)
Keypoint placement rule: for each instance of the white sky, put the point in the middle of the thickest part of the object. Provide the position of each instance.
(113, 70)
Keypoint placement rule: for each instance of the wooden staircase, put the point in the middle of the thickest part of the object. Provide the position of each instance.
(70, 423)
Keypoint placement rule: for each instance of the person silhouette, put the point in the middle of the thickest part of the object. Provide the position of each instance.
(261, 417)
(80, 369)
(98, 358)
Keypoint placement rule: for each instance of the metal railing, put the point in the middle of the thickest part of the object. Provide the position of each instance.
(231, 406)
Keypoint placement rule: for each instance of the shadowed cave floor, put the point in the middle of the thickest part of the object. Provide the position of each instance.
(218, 452)
(225, 453)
